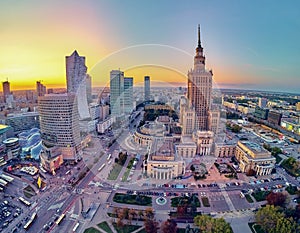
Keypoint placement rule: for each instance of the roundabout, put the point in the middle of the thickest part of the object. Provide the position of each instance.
(161, 201)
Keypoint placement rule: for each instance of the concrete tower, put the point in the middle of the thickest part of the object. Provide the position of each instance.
(147, 88)
(200, 88)
(6, 89)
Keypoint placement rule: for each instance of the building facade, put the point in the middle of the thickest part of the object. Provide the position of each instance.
(163, 162)
(6, 90)
(76, 82)
(23, 121)
(40, 89)
(252, 156)
(147, 88)
(261, 113)
(59, 124)
(116, 92)
(274, 117)
(204, 141)
(128, 95)
(262, 102)
(200, 88)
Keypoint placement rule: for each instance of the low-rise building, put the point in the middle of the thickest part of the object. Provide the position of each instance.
(163, 162)
(102, 126)
(274, 117)
(261, 113)
(252, 156)
(186, 148)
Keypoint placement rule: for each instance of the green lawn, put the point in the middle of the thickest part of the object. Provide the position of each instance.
(126, 173)
(291, 189)
(278, 159)
(91, 230)
(260, 195)
(249, 198)
(142, 231)
(104, 226)
(114, 173)
(185, 200)
(126, 228)
(29, 191)
(255, 228)
(132, 199)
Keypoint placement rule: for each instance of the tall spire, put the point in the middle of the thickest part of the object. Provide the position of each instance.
(199, 40)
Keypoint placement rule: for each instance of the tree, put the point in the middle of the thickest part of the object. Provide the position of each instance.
(267, 217)
(287, 225)
(125, 213)
(192, 168)
(276, 151)
(236, 128)
(272, 220)
(207, 224)
(169, 226)
(251, 172)
(149, 213)
(151, 226)
(276, 199)
(140, 214)
(181, 210)
(120, 223)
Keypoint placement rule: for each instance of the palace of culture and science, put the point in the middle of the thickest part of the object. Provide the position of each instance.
(198, 122)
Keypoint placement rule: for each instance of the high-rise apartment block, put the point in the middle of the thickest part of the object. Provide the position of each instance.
(147, 88)
(262, 102)
(40, 89)
(59, 124)
(6, 89)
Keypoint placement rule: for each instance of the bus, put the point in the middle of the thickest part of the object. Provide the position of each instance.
(7, 178)
(61, 217)
(30, 221)
(25, 202)
(68, 172)
(3, 182)
(75, 227)
(102, 166)
(108, 157)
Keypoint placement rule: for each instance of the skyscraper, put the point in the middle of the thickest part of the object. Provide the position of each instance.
(6, 89)
(40, 89)
(89, 88)
(128, 95)
(200, 88)
(59, 123)
(262, 102)
(76, 82)
(147, 88)
(116, 92)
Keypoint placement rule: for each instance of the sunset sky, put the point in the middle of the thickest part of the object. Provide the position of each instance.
(247, 44)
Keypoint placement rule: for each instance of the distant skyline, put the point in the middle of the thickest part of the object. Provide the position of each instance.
(247, 44)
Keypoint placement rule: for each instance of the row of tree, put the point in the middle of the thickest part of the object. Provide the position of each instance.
(273, 219)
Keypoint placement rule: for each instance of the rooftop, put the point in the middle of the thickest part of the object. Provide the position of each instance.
(253, 146)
